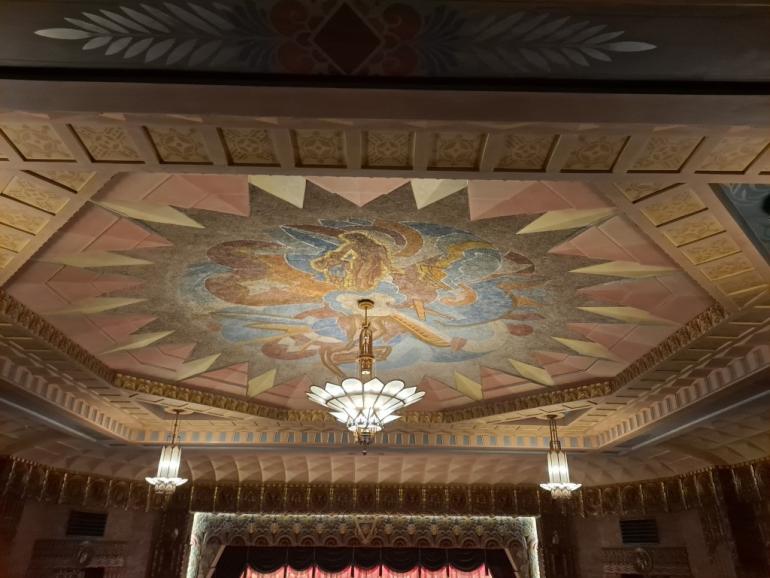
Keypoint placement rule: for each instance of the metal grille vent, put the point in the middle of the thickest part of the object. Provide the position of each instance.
(86, 523)
(639, 531)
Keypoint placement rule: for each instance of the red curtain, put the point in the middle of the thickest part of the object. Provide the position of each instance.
(376, 572)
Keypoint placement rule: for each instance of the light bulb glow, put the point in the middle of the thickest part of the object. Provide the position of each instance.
(559, 483)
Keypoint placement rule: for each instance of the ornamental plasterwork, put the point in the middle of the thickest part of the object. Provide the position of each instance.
(210, 532)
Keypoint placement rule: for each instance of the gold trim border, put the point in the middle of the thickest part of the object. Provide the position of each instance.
(46, 332)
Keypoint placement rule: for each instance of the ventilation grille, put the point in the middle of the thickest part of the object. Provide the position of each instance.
(86, 523)
(639, 531)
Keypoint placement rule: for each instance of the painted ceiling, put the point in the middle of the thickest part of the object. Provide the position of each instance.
(247, 286)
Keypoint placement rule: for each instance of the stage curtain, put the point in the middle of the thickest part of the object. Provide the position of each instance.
(267, 562)
(344, 573)
(251, 573)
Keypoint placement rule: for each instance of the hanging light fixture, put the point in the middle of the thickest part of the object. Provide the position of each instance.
(167, 479)
(558, 470)
(365, 404)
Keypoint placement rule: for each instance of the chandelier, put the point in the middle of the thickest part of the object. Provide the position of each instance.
(365, 404)
(558, 470)
(167, 479)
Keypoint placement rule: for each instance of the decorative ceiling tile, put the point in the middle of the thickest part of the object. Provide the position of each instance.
(692, 228)
(72, 180)
(635, 191)
(710, 248)
(594, 153)
(319, 148)
(670, 205)
(13, 239)
(456, 150)
(36, 142)
(249, 146)
(742, 282)
(108, 143)
(6, 256)
(666, 153)
(727, 267)
(388, 149)
(179, 145)
(20, 216)
(526, 152)
(37, 193)
(733, 154)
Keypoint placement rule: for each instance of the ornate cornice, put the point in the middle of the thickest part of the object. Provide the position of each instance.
(695, 328)
(26, 480)
(43, 330)
(195, 396)
(33, 323)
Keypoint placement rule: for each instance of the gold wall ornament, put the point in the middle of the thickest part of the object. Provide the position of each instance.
(751, 482)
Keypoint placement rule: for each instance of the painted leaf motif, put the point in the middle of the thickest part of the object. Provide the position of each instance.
(190, 19)
(118, 45)
(215, 34)
(64, 33)
(629, 46)
(212, 18)
(144, 19)
(181, 51)
(159, 50)
(97, 42)
(545, 30)
(87, 25)
(138, 47)
(595, 53)
(203, 53)
(159, 14)
(128, 23)
(106, 22)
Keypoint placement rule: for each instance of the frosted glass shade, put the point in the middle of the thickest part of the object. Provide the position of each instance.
(167, 479)
(365, 406)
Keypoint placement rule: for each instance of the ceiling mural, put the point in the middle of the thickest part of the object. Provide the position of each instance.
(249, 287)
(431, 39)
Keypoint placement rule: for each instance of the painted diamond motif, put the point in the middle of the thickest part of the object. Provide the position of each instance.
(346, 39)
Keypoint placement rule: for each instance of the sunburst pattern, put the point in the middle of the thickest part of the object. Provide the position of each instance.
(490, 289)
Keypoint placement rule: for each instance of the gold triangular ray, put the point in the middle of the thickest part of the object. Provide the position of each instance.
(261, 383)
(139, 341)
(628, 315)
(195, 367)
(95, 259)
(625, 269)
(96, 305)
(468, 387)
(588, 348)
(532, 372)
(150, 212)
(567, 219)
